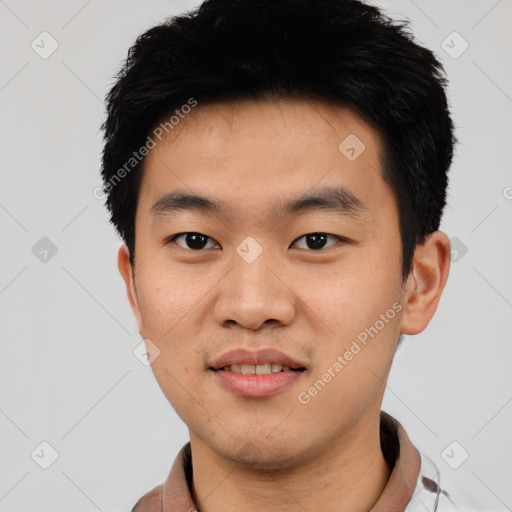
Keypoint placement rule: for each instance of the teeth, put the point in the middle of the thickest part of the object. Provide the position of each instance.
(248, 369)
(256, 369)
(263, 369)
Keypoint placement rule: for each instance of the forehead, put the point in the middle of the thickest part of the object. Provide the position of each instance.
(220, 124)
(255, 152)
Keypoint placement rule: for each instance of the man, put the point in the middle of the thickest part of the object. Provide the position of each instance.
(278, 170)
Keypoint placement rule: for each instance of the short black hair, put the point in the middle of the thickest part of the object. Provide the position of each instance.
(341, 51)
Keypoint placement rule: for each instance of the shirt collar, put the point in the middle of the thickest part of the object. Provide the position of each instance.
(406, 487)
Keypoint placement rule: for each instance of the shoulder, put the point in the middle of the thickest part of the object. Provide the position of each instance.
(150, 502)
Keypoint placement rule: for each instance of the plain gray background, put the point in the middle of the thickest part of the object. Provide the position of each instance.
(68, 373)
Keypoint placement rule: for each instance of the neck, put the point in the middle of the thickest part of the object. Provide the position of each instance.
(349, 474)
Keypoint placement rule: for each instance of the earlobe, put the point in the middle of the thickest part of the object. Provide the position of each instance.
(425, 283)
(126, 269)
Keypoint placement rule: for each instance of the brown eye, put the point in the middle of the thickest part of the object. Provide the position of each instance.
(193, 241)
(316, 241)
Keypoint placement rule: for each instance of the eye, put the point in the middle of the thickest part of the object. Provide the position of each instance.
(197, 241)
(316, 241)
(194, 241)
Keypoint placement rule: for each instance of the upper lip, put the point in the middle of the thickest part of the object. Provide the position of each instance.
(262, 356)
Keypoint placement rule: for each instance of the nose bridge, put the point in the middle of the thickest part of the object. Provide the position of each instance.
(255, 277)
(253, 291)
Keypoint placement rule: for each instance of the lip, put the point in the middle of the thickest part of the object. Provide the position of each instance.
(261, 356)
(256, 386)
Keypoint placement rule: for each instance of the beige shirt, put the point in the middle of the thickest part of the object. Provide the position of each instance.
(413, 485)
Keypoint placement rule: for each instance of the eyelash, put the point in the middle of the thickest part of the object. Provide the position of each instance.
(174, 237)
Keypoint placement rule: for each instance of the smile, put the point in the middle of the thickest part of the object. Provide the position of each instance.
(258, 369)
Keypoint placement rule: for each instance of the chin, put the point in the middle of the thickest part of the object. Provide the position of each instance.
(263, 454)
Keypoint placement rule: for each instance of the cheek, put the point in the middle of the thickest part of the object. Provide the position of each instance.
(166, 297)
(166, 322)
(346, 300)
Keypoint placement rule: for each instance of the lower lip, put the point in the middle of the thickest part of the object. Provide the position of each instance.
(257, 386)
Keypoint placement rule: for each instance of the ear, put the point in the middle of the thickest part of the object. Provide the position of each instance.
(127, 272)
(425, 283)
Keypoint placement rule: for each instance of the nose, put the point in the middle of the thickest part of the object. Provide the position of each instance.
(254, 295)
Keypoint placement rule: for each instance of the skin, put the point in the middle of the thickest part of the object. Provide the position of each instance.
(311, 304)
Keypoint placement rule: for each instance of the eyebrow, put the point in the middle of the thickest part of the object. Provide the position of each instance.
(337, 199)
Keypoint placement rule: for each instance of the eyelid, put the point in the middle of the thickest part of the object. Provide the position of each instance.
(172, 239)
(339, 239)
(177, 235)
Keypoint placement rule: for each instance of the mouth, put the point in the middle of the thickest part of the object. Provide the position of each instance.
(258, 374)
(257, 369)
(256, 362)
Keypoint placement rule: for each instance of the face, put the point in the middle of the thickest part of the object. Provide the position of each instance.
(302, 254)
